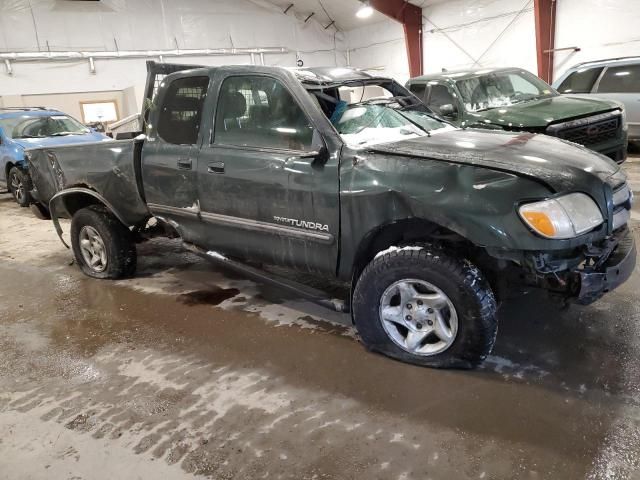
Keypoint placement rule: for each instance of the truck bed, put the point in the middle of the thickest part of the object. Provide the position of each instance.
(107, 168)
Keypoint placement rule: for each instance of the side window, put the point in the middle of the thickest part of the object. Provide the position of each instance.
(580, 81)
(256, 111)
(440, 97)
(181, 111)
(623, 79)
(419, 90)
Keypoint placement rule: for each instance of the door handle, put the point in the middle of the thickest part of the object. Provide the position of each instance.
(216, 167)
(184, 164)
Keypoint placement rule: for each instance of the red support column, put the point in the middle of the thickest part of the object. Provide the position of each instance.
(411, 18)
(545, 19)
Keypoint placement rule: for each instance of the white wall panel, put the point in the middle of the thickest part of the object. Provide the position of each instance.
(600, 28)
(463, 34)
(143, 25)
(379, 45)
(457, 34)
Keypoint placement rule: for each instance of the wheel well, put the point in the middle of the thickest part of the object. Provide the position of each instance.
(403, 232)
(7, 168)
(76, 201)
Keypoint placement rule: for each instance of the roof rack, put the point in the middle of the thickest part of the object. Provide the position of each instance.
(607, 60)
(23, 108)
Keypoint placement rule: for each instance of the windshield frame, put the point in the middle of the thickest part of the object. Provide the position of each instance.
(395, 88)
(525, 74)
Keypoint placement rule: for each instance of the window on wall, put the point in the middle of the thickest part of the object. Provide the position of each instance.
(257, 111)
(580, 81)
(623, 79)
(181, 111)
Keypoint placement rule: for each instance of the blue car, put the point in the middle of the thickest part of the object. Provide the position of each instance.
(23, 128)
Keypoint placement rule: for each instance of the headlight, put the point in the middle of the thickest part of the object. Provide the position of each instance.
(563, 217)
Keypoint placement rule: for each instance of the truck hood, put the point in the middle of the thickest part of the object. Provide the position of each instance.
(27, 143)
(541, 113)
(560, 165)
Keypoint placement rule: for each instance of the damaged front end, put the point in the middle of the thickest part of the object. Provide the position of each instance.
(585, 275)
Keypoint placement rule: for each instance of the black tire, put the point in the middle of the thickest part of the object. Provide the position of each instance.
(118, 241)
(458, 279)
(19, 184)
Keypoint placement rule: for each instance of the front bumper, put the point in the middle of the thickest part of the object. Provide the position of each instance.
(616, 270)
(618, 153)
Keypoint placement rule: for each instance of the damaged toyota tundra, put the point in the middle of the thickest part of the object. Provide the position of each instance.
(338, 175)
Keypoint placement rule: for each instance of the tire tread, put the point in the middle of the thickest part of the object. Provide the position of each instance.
(472, 281)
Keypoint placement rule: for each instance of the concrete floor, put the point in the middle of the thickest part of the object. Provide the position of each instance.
(188, 372)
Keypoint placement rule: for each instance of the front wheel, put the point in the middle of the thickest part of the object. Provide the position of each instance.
(426, 307)
(102, 246)
(20, 186)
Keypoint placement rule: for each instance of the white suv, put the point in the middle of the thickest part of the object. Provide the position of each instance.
(615, 79)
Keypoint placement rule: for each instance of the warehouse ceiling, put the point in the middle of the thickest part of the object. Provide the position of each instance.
(343, 12)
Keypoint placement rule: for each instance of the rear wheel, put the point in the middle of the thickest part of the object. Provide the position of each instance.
(426, 307)
(102, 246)
(20, 185)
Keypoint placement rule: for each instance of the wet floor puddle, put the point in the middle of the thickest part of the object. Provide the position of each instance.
(210, 296)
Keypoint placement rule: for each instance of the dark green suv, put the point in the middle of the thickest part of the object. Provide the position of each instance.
(515, 100)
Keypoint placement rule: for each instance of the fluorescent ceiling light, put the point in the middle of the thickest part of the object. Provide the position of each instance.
(364, 11)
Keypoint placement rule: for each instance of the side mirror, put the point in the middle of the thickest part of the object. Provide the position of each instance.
(319, 157)
(448, 110)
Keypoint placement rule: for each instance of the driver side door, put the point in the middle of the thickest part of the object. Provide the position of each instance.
(267, 184)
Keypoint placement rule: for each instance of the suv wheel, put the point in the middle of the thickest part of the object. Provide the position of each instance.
(102, 246)
(427, 307)
(20, 185)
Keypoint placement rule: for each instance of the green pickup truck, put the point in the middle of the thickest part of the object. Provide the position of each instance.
(348, 178)
(515, 100)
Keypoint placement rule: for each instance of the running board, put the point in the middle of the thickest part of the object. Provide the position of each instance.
(308, 293)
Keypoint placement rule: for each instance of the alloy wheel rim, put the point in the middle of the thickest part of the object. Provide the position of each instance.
(93, 249)
(17, 187)
(418, 317)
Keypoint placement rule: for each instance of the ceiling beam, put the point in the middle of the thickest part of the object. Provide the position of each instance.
(545, 20)
(410, 16)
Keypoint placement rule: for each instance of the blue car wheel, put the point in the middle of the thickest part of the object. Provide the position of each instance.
(20, 186)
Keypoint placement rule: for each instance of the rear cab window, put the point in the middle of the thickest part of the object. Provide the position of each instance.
(580, 81)
(181, 111)
(622, 79)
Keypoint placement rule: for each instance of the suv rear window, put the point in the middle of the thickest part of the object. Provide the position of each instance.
(181, 112)
(580, 81)
(623, 79)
